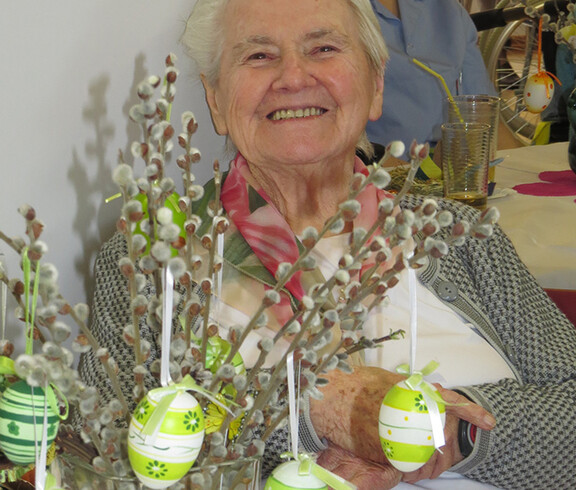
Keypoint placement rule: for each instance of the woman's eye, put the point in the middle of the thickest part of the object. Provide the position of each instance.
(257, 56)
(323, 49)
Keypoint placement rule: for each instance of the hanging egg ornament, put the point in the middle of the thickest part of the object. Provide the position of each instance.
(538, 92)
(286, 477)
(22, 422)
(405, 427)
(178, 218)
(217, 351)
(163, 461)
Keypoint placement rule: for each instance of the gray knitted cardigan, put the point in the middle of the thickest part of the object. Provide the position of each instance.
(532, 446)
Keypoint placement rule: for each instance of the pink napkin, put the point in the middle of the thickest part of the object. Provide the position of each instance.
(555, 184)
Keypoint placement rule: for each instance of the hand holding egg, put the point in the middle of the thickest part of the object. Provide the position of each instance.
(406, 425)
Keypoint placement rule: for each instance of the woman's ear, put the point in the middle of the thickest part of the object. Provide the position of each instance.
(218, 119)
(376, 107)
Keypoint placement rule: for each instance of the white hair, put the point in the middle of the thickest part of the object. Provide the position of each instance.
(204, 35)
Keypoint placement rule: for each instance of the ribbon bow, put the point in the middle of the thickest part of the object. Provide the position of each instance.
(308, 466)
(167, 395)
(431, 396)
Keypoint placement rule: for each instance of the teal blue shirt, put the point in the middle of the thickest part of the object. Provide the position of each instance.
(440, 34)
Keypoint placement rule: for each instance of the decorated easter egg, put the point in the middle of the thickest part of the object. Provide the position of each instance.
(162, 462)
(22, 422)
(405, 427)
(217, 351)
(286, 477)
(538, 92)
(178, 218)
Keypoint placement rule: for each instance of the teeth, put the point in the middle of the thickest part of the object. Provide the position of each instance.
(290, 114)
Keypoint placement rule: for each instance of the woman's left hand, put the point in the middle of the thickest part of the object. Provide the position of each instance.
(459, 407)
(440, 461)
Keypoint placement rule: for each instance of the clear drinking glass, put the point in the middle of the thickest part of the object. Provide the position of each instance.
(465, 157)
(478, 109)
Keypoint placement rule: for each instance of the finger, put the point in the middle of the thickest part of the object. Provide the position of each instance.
(442, 459)
(422, 472)
(463, 408)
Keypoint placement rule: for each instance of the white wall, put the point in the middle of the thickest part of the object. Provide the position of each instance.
(68, 69)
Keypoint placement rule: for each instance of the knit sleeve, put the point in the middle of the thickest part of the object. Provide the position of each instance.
(533, 443)
(110, 314)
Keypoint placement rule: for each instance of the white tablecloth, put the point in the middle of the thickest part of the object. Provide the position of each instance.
(542, 228)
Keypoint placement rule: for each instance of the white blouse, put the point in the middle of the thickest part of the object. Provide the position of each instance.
(464, 356)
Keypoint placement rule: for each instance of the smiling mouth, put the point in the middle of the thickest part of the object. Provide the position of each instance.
(284, 114)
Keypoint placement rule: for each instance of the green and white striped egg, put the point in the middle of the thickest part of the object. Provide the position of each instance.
(405, 427)
(22, 422)
(286, 477)
(169, 457)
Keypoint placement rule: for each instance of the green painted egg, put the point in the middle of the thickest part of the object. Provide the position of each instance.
(286, 477)
(166, 460)
(405, 428)
(22, 422)
(178, 217)
(217, 351)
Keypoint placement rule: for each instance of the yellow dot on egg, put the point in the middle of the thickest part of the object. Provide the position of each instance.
(406, 418)
(429, 437)
(389, 432)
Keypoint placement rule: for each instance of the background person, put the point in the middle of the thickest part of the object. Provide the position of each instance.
(440, 34)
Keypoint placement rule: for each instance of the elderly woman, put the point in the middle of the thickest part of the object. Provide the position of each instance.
(292, 85)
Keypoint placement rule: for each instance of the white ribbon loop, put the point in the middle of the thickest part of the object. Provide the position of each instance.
(168, 299)
(435, 421)
(293, 407)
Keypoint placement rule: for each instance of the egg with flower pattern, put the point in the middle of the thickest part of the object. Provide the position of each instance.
(22, 421)
(162, 461)
(538, 92)
(217, 350)
(405, 427)
(286, 477)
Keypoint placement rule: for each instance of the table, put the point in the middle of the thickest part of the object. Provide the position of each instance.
(541, 227)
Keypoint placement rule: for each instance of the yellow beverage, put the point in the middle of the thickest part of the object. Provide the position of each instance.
(473, 199)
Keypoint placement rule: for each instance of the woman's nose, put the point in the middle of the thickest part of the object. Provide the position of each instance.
(293, 74)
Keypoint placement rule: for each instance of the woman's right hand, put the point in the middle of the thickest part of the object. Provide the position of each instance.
(360, 472)
(348, 414)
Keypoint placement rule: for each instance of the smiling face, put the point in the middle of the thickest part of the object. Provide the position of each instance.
(295, 85)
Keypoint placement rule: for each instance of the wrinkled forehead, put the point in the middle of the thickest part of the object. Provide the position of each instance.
(262, 21)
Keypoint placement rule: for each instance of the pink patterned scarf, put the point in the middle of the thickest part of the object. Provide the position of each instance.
(265, 229)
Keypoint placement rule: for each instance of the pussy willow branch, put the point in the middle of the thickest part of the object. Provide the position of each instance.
(189, 249)
(217, 206)
(11, 243)
(327, 286)
(37, 332)
(113, 377)
(393, 335)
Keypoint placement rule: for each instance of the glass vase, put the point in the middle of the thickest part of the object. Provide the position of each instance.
(74, 473)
